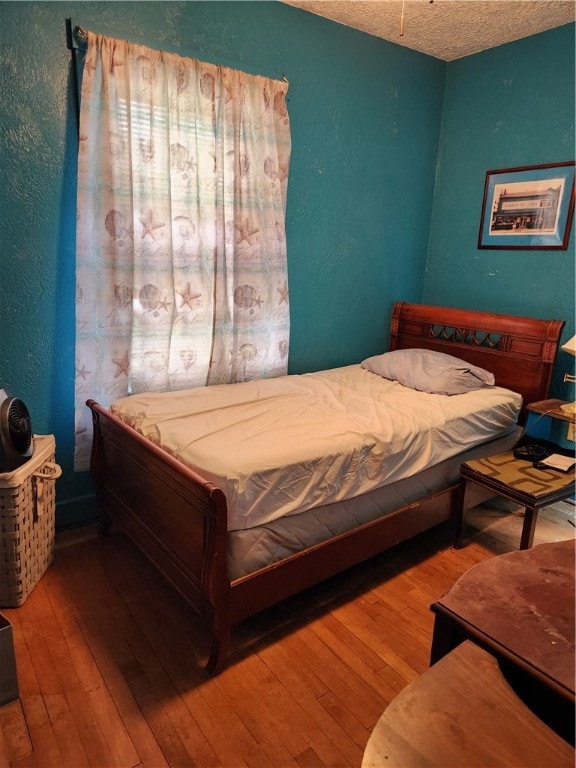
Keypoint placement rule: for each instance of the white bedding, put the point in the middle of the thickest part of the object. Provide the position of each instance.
(255, 548)
(279, 446)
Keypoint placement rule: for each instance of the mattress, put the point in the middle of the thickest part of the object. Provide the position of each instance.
(255, 548)
(280, 446)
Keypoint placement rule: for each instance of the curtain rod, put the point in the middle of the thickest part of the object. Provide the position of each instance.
(77, 40)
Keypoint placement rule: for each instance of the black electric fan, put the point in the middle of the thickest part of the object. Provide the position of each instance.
(16, 439)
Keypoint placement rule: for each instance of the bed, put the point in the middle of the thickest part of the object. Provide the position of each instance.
(184, 519)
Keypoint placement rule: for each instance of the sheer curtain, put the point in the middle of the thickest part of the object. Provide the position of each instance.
(181, 249)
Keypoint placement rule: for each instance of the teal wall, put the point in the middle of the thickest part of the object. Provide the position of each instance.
(365, 119)
(507, 107)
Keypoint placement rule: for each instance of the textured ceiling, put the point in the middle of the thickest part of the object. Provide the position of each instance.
(445, 29)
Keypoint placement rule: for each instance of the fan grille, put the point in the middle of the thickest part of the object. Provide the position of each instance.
(19, 425)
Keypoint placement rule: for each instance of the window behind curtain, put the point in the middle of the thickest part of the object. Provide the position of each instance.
(181, 249)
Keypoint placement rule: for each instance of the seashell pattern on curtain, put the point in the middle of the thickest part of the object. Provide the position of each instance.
(181, 256)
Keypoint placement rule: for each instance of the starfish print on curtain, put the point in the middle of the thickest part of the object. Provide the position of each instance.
(181, 251)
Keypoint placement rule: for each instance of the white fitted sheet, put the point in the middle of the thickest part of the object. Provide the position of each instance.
(279, 446)
(255, 548)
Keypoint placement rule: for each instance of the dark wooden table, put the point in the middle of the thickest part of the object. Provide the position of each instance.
(517, 480)
(519, 607)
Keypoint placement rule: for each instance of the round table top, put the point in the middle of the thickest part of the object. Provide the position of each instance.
(462, 713)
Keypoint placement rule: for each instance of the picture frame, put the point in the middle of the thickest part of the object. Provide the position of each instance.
(528, 208)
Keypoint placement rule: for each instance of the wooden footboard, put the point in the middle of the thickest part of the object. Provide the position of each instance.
(178, 519)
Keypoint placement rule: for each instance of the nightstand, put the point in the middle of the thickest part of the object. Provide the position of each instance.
(517, 480)
(546, 420)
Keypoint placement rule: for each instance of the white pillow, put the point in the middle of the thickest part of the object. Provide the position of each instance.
(429, 371)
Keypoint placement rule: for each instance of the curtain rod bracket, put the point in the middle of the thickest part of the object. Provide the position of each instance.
(76, 38)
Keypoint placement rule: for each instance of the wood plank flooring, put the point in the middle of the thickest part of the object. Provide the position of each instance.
(110, 660)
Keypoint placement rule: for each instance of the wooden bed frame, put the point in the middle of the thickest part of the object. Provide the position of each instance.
(179, 520)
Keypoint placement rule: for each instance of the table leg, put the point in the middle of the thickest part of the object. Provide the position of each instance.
(460, 511)
(445, 637)
(528, 528)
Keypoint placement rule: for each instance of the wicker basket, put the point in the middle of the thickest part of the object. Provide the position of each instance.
(27, 514)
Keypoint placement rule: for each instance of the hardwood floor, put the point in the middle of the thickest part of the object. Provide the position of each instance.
(110, 660)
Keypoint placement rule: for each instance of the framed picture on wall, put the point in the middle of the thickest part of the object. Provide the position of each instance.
(529, 208)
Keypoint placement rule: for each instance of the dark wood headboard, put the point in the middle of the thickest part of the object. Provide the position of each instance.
(519, 351)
